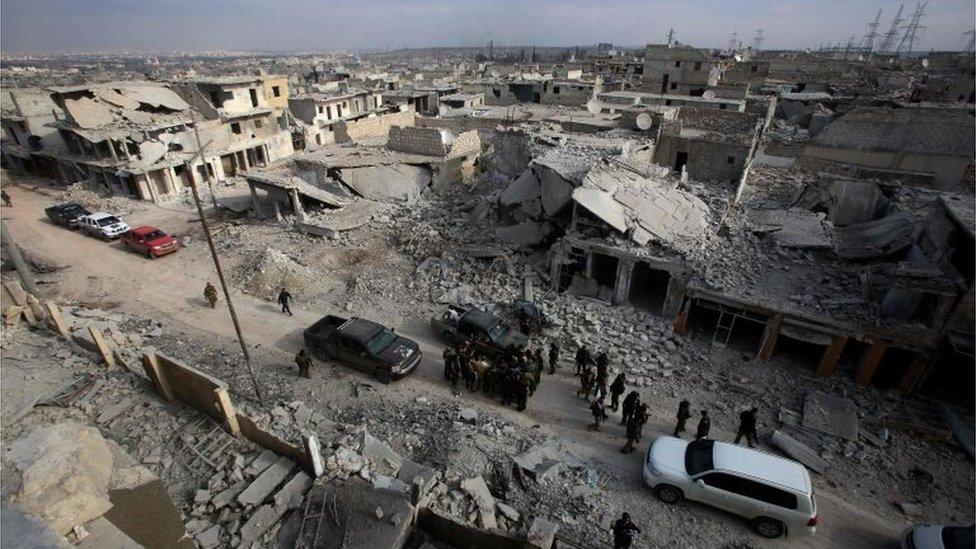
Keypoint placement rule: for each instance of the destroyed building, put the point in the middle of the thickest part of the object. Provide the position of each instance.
(321, 112)
(930, 147)
(26, 117)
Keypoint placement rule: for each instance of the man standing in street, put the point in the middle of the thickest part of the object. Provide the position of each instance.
(553, 357)
(684, 414)
(596, 408)
(617, 389)
(304, 362)
(627, 408)
(210, 293)
(747, 426)
(704, 426)
(283, 299)
(582, 359)
(623, 532)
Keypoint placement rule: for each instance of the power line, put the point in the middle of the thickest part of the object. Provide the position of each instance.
(867, 44)
(758, 40)
(889, 37)
(911, 31)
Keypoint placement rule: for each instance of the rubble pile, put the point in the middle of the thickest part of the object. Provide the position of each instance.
(274, 270)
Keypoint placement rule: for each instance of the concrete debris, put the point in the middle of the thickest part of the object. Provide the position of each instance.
(262, 487)
(830, 414)
(64, 474)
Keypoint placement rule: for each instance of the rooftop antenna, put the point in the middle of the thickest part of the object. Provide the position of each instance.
(732, 42)
(867, 45)
(757, 40)
(911, 31)
(847, 49)
(671, 37)
(889, 37)
(491, 49)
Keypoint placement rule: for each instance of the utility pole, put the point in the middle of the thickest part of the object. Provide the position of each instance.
(23, 269)
(758, 40)
(671, 38)
(732, 42)
(206, 169)
(911, 30)
(216, 260)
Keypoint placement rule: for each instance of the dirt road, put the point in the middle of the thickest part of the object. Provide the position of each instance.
(172, 287)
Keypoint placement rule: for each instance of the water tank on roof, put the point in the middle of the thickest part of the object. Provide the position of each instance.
(644, 121)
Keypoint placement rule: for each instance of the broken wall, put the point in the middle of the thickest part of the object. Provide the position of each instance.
(378, 126)
(417, 140)
(706, 160)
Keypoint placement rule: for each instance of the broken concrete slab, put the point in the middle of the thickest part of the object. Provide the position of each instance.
(546, 461)
(292, 493)
(508, 511)
(478, 490)
(88, 113)
(260, 522)
(113, 411)
(262, 462)
(875, 239)
(262, 487)
(523, 189)
(209, 538)
(529, 233)
(397, 182)
(792, 228)
(383, 459)
(830, 414)
(542, 533)
(411, 470)
(228, 495)
(799, 451)
(367, 517)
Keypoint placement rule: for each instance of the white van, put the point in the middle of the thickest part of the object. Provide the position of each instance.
(774, 493)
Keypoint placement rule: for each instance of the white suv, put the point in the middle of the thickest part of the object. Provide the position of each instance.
(774, 493)
(103, 225)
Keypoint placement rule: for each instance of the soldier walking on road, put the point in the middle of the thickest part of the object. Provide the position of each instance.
(603, 365)
(6, 199)
(450, 360)
(582, 359)
(304, 362)
(283, 299)
(553, 357)
(617, 389)
(210, 293)
(684, 414)
(586, 383)
(640, 413)
(704, 425)
(628, 407)
(522, 395)
(623, 532)
(747, 426)
(633, 433)
(599, 414)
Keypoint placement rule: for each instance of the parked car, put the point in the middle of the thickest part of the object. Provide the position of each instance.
(930, 536)
(774, 493)
(103, 225)
(490, 334)
(66, 214)
(150, 241)
(364, 345)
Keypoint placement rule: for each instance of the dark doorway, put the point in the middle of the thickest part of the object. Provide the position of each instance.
(604, 270)
(254, 97)
(951, 379)
(228, 164)
(800, 349)
(575, 266)
(893, 367)
(664, 84)
(648, 287)
(727, 326)
(680, 161)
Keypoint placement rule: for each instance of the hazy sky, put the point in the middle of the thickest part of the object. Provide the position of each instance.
(166, 25)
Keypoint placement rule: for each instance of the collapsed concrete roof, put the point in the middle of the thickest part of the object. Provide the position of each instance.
(115, 109)
(645, 208)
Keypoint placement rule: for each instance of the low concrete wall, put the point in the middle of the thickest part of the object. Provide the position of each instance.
(463, 535)
(426, 141)
(255, 434)
(377, 126)
(203, 392)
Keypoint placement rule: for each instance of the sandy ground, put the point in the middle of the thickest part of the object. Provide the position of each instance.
(171, 288)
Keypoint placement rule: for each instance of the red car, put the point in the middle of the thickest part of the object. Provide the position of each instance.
(150, 241)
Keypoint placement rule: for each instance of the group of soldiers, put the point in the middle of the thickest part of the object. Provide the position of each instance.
(595, 386)
(747, 424)
(511, 374)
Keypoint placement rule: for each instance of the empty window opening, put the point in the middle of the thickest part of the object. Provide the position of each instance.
(697, 65)
(674, 85)
(603, 269)
(755, 68)
(276, 91)
(648, 287)
(730, 160)
(216, 99)
(680, 161)
(235, 127)
(254, 97)
(677, 64)
(963, 255)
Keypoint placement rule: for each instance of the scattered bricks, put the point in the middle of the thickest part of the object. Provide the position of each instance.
(508, 511)
(260, 522)
(113, 411)
(262, 487)
(35, 306)
(478, 490)
(209, 538)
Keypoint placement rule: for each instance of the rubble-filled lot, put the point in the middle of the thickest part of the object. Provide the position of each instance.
(400, 270)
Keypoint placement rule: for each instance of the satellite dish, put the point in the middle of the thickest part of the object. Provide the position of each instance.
(593, 106)
(644, 121)
(925, 63)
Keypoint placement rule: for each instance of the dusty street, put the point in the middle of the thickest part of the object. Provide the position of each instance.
(169, 290)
